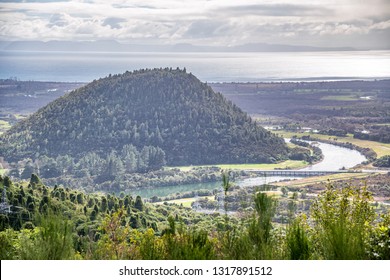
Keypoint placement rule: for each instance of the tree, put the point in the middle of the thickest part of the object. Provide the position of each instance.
(29, 169)
(297, 240)
(138, 203)
(52, 240)
(80, 198)
(114, 243)
(104, 204)
(49, 168)
(382, 161)
(129, 155)
(343, 220)
(134, 222)
(261, 225)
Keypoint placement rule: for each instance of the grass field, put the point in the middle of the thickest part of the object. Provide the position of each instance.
(341, 97)
(186, 202)
(4, 126)
(321, 179)
(290, 164)
(381, 149)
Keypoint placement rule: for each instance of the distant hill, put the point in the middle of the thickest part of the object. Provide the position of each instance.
(160, 116)
(114, 46)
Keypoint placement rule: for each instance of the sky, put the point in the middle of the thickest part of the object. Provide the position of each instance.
(363, 24)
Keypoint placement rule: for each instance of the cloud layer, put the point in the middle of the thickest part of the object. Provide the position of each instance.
(362, 24)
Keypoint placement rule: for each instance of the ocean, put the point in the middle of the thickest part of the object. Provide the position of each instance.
(208, 67)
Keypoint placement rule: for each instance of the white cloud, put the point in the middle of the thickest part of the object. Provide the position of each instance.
(213, 22)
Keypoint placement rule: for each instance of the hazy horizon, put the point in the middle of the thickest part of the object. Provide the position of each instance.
(115, 46)
(85, 66)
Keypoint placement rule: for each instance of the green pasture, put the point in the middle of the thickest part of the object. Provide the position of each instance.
(321, 179)
(288, 164)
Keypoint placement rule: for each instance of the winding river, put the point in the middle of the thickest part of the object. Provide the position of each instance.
(335, 158)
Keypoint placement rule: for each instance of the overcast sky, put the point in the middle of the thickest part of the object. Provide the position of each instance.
(323, 23)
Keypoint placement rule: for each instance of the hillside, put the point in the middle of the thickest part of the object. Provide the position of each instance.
(147, 118)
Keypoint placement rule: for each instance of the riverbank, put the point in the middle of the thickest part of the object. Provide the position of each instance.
(380, 149)
(330, 162)
(288, 164)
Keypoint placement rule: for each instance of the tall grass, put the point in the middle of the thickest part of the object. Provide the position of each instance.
(343, 222)
(255, 239)
(297, 241)
(52, 240)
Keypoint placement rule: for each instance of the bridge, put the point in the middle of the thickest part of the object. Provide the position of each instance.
(296, 173)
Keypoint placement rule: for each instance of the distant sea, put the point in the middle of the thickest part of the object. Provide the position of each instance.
(208, 67)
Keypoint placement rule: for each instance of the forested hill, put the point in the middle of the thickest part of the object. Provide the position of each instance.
(159, 116)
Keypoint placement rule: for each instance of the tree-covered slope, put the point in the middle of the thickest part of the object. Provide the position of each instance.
(179, 119)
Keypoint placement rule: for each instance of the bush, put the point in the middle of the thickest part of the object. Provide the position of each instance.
(343, 220)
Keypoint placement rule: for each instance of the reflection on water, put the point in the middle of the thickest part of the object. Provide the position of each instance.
(336, 158)
(165, 191)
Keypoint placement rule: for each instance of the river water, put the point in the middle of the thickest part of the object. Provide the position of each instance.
(335, 158)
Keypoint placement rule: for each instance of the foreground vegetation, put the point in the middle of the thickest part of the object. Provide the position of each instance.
(57, 223)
